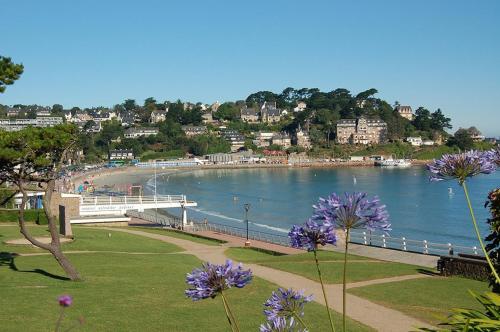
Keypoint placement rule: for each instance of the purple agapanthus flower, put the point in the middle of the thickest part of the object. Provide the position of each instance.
(351, 211)
(312, 234)
(211, 279)
(65, 300)
(285, 303)
(281, 324)
(494, 156)
(461, 166)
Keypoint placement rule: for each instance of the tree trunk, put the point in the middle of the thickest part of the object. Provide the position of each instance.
(55, 245)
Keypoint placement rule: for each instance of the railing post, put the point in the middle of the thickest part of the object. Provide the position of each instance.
(110, 200)
(404, 243)
(426, 247)
(384, 245)
(475, 250)
(95, 201)
(364, 238)
(125, 200)
(450, 249)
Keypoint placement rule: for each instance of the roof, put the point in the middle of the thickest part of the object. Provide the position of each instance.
(404, 109)
(248, 111)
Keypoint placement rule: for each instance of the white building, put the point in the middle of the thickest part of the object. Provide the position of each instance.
(415, 141)
(301, 106)
(142, 131)
(405, 111)
(18, 124)
(158, 116)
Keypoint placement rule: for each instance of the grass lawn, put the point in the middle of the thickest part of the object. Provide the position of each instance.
(124, 292)
(181, 235)
(87, 239)
(425, 298)
(359, 268)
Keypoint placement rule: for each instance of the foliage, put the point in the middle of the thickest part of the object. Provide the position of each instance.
(493, 239)
(462, 139)
(32, 215)
(151, 155)
(9, 72)
(487, 320)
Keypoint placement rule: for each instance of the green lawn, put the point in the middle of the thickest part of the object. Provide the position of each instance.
(125, 292)
(359, 268)
(181, 235)
(425, 298)
(87, 239)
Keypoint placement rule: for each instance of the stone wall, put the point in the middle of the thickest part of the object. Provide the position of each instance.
(72, 205)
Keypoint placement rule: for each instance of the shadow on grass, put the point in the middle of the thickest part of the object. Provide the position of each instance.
(7, 259)
(428, 272)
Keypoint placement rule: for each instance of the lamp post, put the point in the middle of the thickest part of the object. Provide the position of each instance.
(156, 200)
(247, 207)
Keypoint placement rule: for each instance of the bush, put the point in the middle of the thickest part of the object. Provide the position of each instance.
(33, 215)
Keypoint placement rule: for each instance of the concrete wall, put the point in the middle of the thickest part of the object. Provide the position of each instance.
(72, 205)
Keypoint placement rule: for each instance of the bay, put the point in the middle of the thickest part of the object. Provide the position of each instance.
(280, 197)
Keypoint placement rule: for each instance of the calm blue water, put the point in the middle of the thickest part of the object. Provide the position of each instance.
(279, 198)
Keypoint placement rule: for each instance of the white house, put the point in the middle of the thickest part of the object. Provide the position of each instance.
(142, 131)
(415, 141)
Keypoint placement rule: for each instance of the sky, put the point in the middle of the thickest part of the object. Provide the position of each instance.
(437, 54)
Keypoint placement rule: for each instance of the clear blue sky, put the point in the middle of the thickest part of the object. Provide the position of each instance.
(437, 54)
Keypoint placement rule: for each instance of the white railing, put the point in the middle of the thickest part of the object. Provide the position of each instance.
(114, 200)
(404, 244)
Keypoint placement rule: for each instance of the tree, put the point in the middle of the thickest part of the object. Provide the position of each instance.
(462, 139)
(111, 130)
(439, 122)
(9, 72)
(36, 155)
(57, 110)
(130, 104)
(227, 111)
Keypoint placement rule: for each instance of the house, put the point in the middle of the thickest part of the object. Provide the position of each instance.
(415, 141)
(207, 118)
(236, 139)
(361, 131)
(121, 154)
(13, 111)
(302, 139)
(215, 106)
(140, 131)
(477, 137)
(263, 139)
(41, 111)
(127, 118)
(158, 116)
(249, 114)
(194, 130)
(269, 113)
(405, 111)
(301, 106)
(282, 140)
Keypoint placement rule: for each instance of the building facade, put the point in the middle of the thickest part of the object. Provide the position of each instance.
(405, 111)
(361, 131)
(137, 132)
(18, 124)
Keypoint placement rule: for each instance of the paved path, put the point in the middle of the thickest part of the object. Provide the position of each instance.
(376, 316)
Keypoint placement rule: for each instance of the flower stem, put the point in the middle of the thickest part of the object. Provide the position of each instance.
(59, 320)
(497, 278)
(344, 280)
(229, 313)
(323, 289)
(301, 321)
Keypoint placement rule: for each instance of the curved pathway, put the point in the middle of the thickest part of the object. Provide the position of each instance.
(376, 316)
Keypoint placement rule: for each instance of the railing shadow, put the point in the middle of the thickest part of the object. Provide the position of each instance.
(8, 259)
(428, 272)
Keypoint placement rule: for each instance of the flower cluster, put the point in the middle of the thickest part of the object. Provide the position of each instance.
(285, 303)
(65, 300)
(311, 234)
(211, 279)
(494, 156)
(463, 165)
(352, 211)
(281, 324)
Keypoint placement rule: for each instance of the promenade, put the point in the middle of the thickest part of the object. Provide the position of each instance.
(374, 315)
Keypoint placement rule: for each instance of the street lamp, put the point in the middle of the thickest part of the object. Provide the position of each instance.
(247, 207)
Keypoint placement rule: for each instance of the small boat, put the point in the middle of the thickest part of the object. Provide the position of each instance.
(393, 163)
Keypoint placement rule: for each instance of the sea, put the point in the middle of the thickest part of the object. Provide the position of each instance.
(281, 197)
